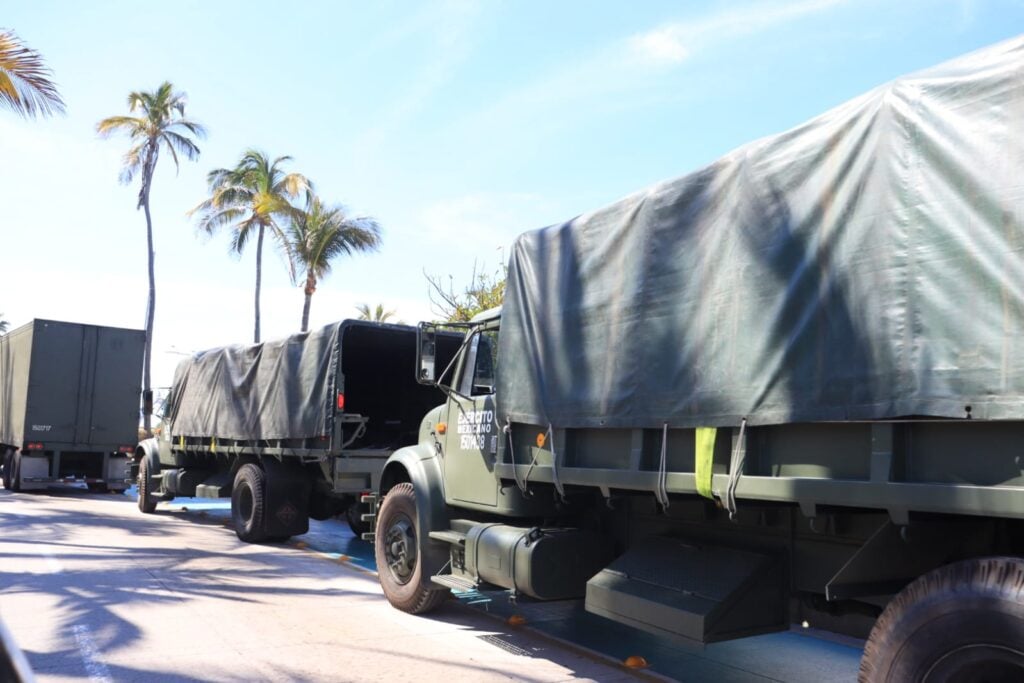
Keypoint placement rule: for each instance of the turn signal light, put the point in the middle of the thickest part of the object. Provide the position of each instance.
(341, 401)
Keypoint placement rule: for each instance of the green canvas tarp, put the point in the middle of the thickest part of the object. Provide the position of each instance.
(281, 389)
(868, 264)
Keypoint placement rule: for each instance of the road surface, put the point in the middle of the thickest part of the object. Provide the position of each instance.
(94, 590)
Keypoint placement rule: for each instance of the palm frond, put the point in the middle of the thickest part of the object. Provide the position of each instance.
(25, 80)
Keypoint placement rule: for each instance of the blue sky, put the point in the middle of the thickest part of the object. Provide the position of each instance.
(457, 125)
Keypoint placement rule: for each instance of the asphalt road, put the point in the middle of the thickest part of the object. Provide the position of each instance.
(94, 590)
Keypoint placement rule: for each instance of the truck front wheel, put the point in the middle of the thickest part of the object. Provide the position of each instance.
(962, 622)
(397, 554)
(248, 503)
(147, 503)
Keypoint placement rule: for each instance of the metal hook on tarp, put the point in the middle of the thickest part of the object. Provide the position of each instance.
(554, 464)
(661, 490)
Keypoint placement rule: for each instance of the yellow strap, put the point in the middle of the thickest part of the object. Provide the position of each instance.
(704, 455)
(181, 442)
(213, 444)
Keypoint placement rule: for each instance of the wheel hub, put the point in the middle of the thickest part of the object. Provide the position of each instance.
(400, 549)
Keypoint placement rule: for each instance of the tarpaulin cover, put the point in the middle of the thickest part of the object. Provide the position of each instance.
(281, 389)
(868, 264)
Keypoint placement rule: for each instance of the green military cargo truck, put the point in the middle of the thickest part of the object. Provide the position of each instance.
(69, 404)
(786, 388)
(289, 429)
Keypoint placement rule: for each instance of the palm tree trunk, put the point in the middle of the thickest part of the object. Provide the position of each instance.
(147, 385)
(310, 288)
(259, 275)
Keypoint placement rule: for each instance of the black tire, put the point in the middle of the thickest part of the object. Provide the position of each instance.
(146, 501)
(963, 622)
(16, 472)
(248, 503)
(6, 464)
(353, 515)
(397, 551)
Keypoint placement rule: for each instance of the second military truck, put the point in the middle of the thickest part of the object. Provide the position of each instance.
(289, 429)
(785, 388)
(69, 404)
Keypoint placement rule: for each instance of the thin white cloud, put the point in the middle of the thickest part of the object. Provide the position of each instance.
(616, 76)
(674, 42)
(480, 224)
(450, 30)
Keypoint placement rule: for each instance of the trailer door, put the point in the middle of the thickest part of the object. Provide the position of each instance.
(115, 384)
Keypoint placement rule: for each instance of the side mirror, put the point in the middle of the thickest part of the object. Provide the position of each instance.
(426, 352)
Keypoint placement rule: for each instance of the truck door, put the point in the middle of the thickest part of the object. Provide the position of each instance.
(471, 442)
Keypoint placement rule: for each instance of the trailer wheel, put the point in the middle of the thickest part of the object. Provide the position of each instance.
(147, 503)
(15, 468)
(397, 552)
(963, 622)
(6, 465)
(248, 503)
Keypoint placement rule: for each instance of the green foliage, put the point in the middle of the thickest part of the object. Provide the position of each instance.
(25, 84)
(250, 199)
(377, 315)
(484, 291)
(3, 324)
(159, 123)
(320, 234)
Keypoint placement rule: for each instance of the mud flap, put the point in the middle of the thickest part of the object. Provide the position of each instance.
(700, 593)
(287, 499)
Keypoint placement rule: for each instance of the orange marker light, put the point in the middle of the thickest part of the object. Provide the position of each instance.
(636, 662)
(441, 428)
(516, 620)
(542, 439)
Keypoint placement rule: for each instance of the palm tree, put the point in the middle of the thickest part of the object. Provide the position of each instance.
(159, 122)
(25, 84)
(377, 315)
(250, 198)
(320, 234)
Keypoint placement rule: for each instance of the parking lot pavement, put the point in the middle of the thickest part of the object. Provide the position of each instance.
(797, 656)
(92, 589)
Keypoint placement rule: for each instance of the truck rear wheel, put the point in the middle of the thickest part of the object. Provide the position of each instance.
(397, 553)
(354, 517)
(248, 503)
(963, 622)
(146, 501)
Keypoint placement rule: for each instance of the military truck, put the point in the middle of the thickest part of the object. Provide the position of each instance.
(69, 404)
(787, 388)
(289, 429)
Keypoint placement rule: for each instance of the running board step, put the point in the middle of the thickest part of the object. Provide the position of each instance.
(453, 537)
(456, 583)
(700, 593)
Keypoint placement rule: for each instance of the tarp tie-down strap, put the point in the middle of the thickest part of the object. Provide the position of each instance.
(523, 486)
(704, 456)
(736, 462)
(661, 492)
(554, 464)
